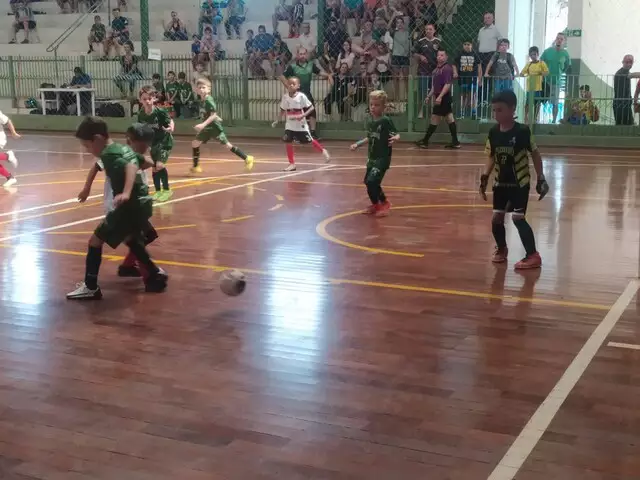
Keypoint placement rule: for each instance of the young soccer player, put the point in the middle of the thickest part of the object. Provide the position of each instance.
(162, 144)
(129, 218)
(295, 106)
(508, 147)
(211, 127)
(7, 156)
(381, 135)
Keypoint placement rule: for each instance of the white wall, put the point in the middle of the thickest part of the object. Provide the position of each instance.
(609, 31)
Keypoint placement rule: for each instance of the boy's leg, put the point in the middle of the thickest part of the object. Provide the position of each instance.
(308, 138)
(287, 138)
(520, 200)
(500, 201)
(248, 159)
(163, 173)
(195, 144)
(156, 280)
(89, 289)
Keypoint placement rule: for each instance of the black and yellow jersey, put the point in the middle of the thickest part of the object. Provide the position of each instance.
(510, 152)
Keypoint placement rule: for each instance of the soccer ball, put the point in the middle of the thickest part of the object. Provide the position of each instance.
(232, 283)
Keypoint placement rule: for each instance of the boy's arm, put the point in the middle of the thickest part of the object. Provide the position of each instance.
(516, 70)
(484, 178)
(637, 94)
(525, 70)
(542, 187)
(455, 70)
(84, 193)
(360, 143)
(12, 129)
(489, 65)
(130, 172)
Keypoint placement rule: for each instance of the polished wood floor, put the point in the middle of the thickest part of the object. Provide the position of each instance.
(363, 348)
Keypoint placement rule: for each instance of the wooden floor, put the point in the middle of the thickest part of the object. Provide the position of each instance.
(363, 348)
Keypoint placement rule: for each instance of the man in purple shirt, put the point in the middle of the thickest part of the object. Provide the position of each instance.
(441, 82)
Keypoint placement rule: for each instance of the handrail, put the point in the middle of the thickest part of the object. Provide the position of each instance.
(73, 27)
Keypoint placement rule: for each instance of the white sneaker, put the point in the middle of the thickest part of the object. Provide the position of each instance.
(290, 168)
(82, 292)
(327, 157)
(12, 181)
(12, 158)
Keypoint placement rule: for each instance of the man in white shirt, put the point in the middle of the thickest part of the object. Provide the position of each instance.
(488, 38)
(307, 41)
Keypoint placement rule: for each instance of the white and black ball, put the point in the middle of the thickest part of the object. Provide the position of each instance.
(232, 282)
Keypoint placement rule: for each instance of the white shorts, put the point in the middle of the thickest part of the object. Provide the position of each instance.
(3, 140)
(108, 195)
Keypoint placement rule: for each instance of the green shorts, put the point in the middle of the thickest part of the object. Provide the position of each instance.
(125, 221)
(160, 153)
(208, 133)
(376, 170)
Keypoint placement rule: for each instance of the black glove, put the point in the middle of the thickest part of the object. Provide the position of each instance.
(484, 182)
(542, 187)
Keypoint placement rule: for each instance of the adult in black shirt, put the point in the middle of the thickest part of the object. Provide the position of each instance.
(622, 101)
(334, 38)
(425, 52)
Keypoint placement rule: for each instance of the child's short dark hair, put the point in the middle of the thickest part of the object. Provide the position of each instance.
(534, 50)
(508, 97)
(148, 89)
(182, 75)
(140, 132)
(171, 72)
(155, 76)
(90, 127)
(504, 41)
(250, 31)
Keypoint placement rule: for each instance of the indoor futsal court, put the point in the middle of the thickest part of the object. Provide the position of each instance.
(363, 348)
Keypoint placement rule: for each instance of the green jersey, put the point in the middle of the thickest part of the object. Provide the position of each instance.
(208, 108)
(379, 131)
(305, 73)
(114, 159)
(158, 119)
(185, 93)
(171, 89)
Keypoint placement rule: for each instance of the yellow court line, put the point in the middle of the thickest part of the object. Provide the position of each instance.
(89, 232)
(237, 219)
(321, 229)
(361, 283)
(280, 198)
(55, 172)
(276, 207)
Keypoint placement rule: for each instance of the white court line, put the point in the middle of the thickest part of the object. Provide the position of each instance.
(629, 346)
(177, 200)
(530, 435)
(345, 146)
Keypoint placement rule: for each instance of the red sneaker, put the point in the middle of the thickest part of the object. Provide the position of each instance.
(500, 255)
(529, 262)
(383, 209)
(370, 210)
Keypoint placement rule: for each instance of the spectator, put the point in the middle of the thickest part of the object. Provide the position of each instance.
(175, 29)
(297, 18)
(158, 86)
(505, 67)
(333, 10)
(262, 44)
(622, 101)
(248, 44)
(237, 14)
(80, 79)
(195, 51)
(129, 71)
(334, 39)
(467, 68)
(381, 64)
(122, 4)
(425, 12)
(359, 90)
(209, 16)
(400, 51)
(305, 69)
(425, 52)
(171, 88)
(346, 56)
(209, 47)
(282, 12)
(380, 27)
(185, 98)
(369, 11)
(339, 93)
(366, 42)
(97, 34)
(23, 20)
(119, 35)
(199, 73)
(558, 61)
(280, 56)
(307, 41)
(352, 9)
(584, 111)
(536, 70)
(73, 6)
(488, 38)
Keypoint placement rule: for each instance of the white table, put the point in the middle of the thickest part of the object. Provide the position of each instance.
(60, 90)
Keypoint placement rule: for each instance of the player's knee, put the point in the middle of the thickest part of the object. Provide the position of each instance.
(518, 219)
(228, 145)
(286, 139)
(95, 242)
(196, 144)
(498, 218)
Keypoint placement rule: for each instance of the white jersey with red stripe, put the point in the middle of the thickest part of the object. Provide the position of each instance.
(295, 106)
(3, 136)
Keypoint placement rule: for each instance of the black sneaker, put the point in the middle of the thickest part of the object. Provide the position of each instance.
(421, 144)
(129, 272)
(157, 283)
(82, 292)
(453, 145)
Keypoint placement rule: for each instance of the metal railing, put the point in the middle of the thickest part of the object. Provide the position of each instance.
(73, 27)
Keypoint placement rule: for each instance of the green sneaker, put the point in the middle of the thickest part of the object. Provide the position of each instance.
(165, 195)
(156, 196)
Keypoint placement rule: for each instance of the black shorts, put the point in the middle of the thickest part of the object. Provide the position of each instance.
(296, 135)
(313, 103)
(445, 108)
(511, 199)
(398, 61)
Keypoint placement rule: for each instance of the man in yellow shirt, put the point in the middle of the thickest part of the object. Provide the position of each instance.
(536, 69)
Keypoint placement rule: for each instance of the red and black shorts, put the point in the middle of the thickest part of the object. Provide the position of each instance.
(299, 136)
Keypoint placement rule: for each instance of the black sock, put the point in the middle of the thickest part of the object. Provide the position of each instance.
(164, 178)
(92, 267)
(453, 128)
(382, 197)
(500, 235)
(156, 181)
(373, 190)
(313, 133)
(526, 235)
(139, 250)
(238, 152)
(430, 131)
(196, 156)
